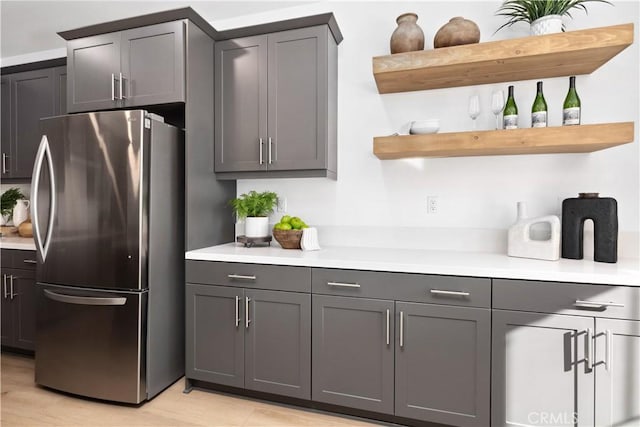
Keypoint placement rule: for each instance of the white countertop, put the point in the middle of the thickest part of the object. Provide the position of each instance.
(624, 272)
(15, 242)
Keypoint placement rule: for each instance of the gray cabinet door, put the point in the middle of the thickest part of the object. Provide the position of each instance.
(215, 334)
(6, 309)
(153, 63)
(60, 90)
(24, 308)
(278, 343)
(93, 66)
(443, 364)
(617, 366)
(298, 99)
(353, 352)
(241, 104)
(540, 375)
(5, 127)
(31, 100)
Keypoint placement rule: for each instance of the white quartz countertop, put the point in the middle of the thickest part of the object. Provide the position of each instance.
(624, 272)
(15, 242)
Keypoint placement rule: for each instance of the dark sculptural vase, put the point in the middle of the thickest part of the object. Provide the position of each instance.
(603, 211)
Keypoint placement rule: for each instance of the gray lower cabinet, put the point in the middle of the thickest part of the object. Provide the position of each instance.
(442, 364)
(276, 104)
(541, 369)
(141, 66)
(617, 368)
(18, 301)
(26, 98)
(353, 352)
(254, 339)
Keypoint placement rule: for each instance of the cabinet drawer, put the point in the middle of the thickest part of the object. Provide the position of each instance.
(622, 302)
(450, 290)
(258, 276)
(25, 260)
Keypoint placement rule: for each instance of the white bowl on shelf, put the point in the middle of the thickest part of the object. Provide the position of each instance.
(423, 127)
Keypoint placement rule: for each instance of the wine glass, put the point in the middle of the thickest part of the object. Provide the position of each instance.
(474, 108)
(497, 105)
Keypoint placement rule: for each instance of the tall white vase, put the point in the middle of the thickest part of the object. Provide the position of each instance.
(520, 243)
(20, 212)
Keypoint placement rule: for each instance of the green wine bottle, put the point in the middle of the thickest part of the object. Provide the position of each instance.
(510, 112)
(571, 107)
(539, 110)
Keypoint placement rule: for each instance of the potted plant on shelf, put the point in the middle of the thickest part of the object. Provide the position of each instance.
(255, 209)
(544, 16)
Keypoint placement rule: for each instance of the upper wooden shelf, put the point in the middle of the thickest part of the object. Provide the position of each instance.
(536, 57)
(562, 139)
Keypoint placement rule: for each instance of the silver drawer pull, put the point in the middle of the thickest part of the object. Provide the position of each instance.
(29, 261)
(596, 304)
(241, 277)
(344, 285)
(453, 293)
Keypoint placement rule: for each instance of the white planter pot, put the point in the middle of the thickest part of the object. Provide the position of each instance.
(549, 24)
(256, 226)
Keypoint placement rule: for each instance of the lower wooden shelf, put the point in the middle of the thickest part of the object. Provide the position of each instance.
(563, 139)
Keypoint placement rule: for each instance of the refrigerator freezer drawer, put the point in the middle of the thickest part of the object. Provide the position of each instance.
(91, 342)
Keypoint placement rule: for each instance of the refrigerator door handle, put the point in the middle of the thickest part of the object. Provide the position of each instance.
(72, 299)
(43, 150)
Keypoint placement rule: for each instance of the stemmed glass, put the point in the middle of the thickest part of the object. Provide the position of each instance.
(497, 105)
(474, 109)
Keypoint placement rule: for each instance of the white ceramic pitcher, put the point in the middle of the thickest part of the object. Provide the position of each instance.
(20, 212)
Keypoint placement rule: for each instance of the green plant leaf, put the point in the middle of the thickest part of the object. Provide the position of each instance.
(254, 204)
(8, 200)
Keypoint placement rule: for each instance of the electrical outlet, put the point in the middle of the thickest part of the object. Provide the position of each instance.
(432, 204)
(282, 204)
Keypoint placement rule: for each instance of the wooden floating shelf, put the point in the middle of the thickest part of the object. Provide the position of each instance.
(563, 139)
(526, 58)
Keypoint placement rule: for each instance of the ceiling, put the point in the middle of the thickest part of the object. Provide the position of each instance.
(31, 26)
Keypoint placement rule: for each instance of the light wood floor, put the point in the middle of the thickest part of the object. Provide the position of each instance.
(25, 404)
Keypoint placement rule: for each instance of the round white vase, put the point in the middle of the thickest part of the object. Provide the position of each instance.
(549, 24)
(256, 226)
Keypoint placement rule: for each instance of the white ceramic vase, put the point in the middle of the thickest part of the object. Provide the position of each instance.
(520, 244)
(549, 24)
(256, 226)
(20, 212)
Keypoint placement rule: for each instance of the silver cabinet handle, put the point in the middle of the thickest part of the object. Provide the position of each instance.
(11, 283)
(388, 322)
(121, 83)
(4, 162)
(237, 311)
(260, 145)
(269, 149)
(241, 277)
(246, 312)
(452, 293)
(588, 359)
(608, 351)
(401, 329)
(113, 87)
(29, 261)
(72, 299)
(595, 304)
(344, 285)
(4, 283)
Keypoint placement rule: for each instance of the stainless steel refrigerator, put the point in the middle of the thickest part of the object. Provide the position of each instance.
(108, 218)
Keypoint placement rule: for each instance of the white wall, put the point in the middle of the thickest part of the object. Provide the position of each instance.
(474, 192)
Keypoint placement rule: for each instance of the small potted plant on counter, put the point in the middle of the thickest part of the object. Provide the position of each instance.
(544, 16)
(8, 201)
(255, 208)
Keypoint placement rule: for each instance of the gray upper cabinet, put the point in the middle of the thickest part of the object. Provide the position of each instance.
(276, 102)
(141, 66)
(60, 90)
(617, 367)
(541, 370)
(353, 352)
(26, 98)
(443, 364)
